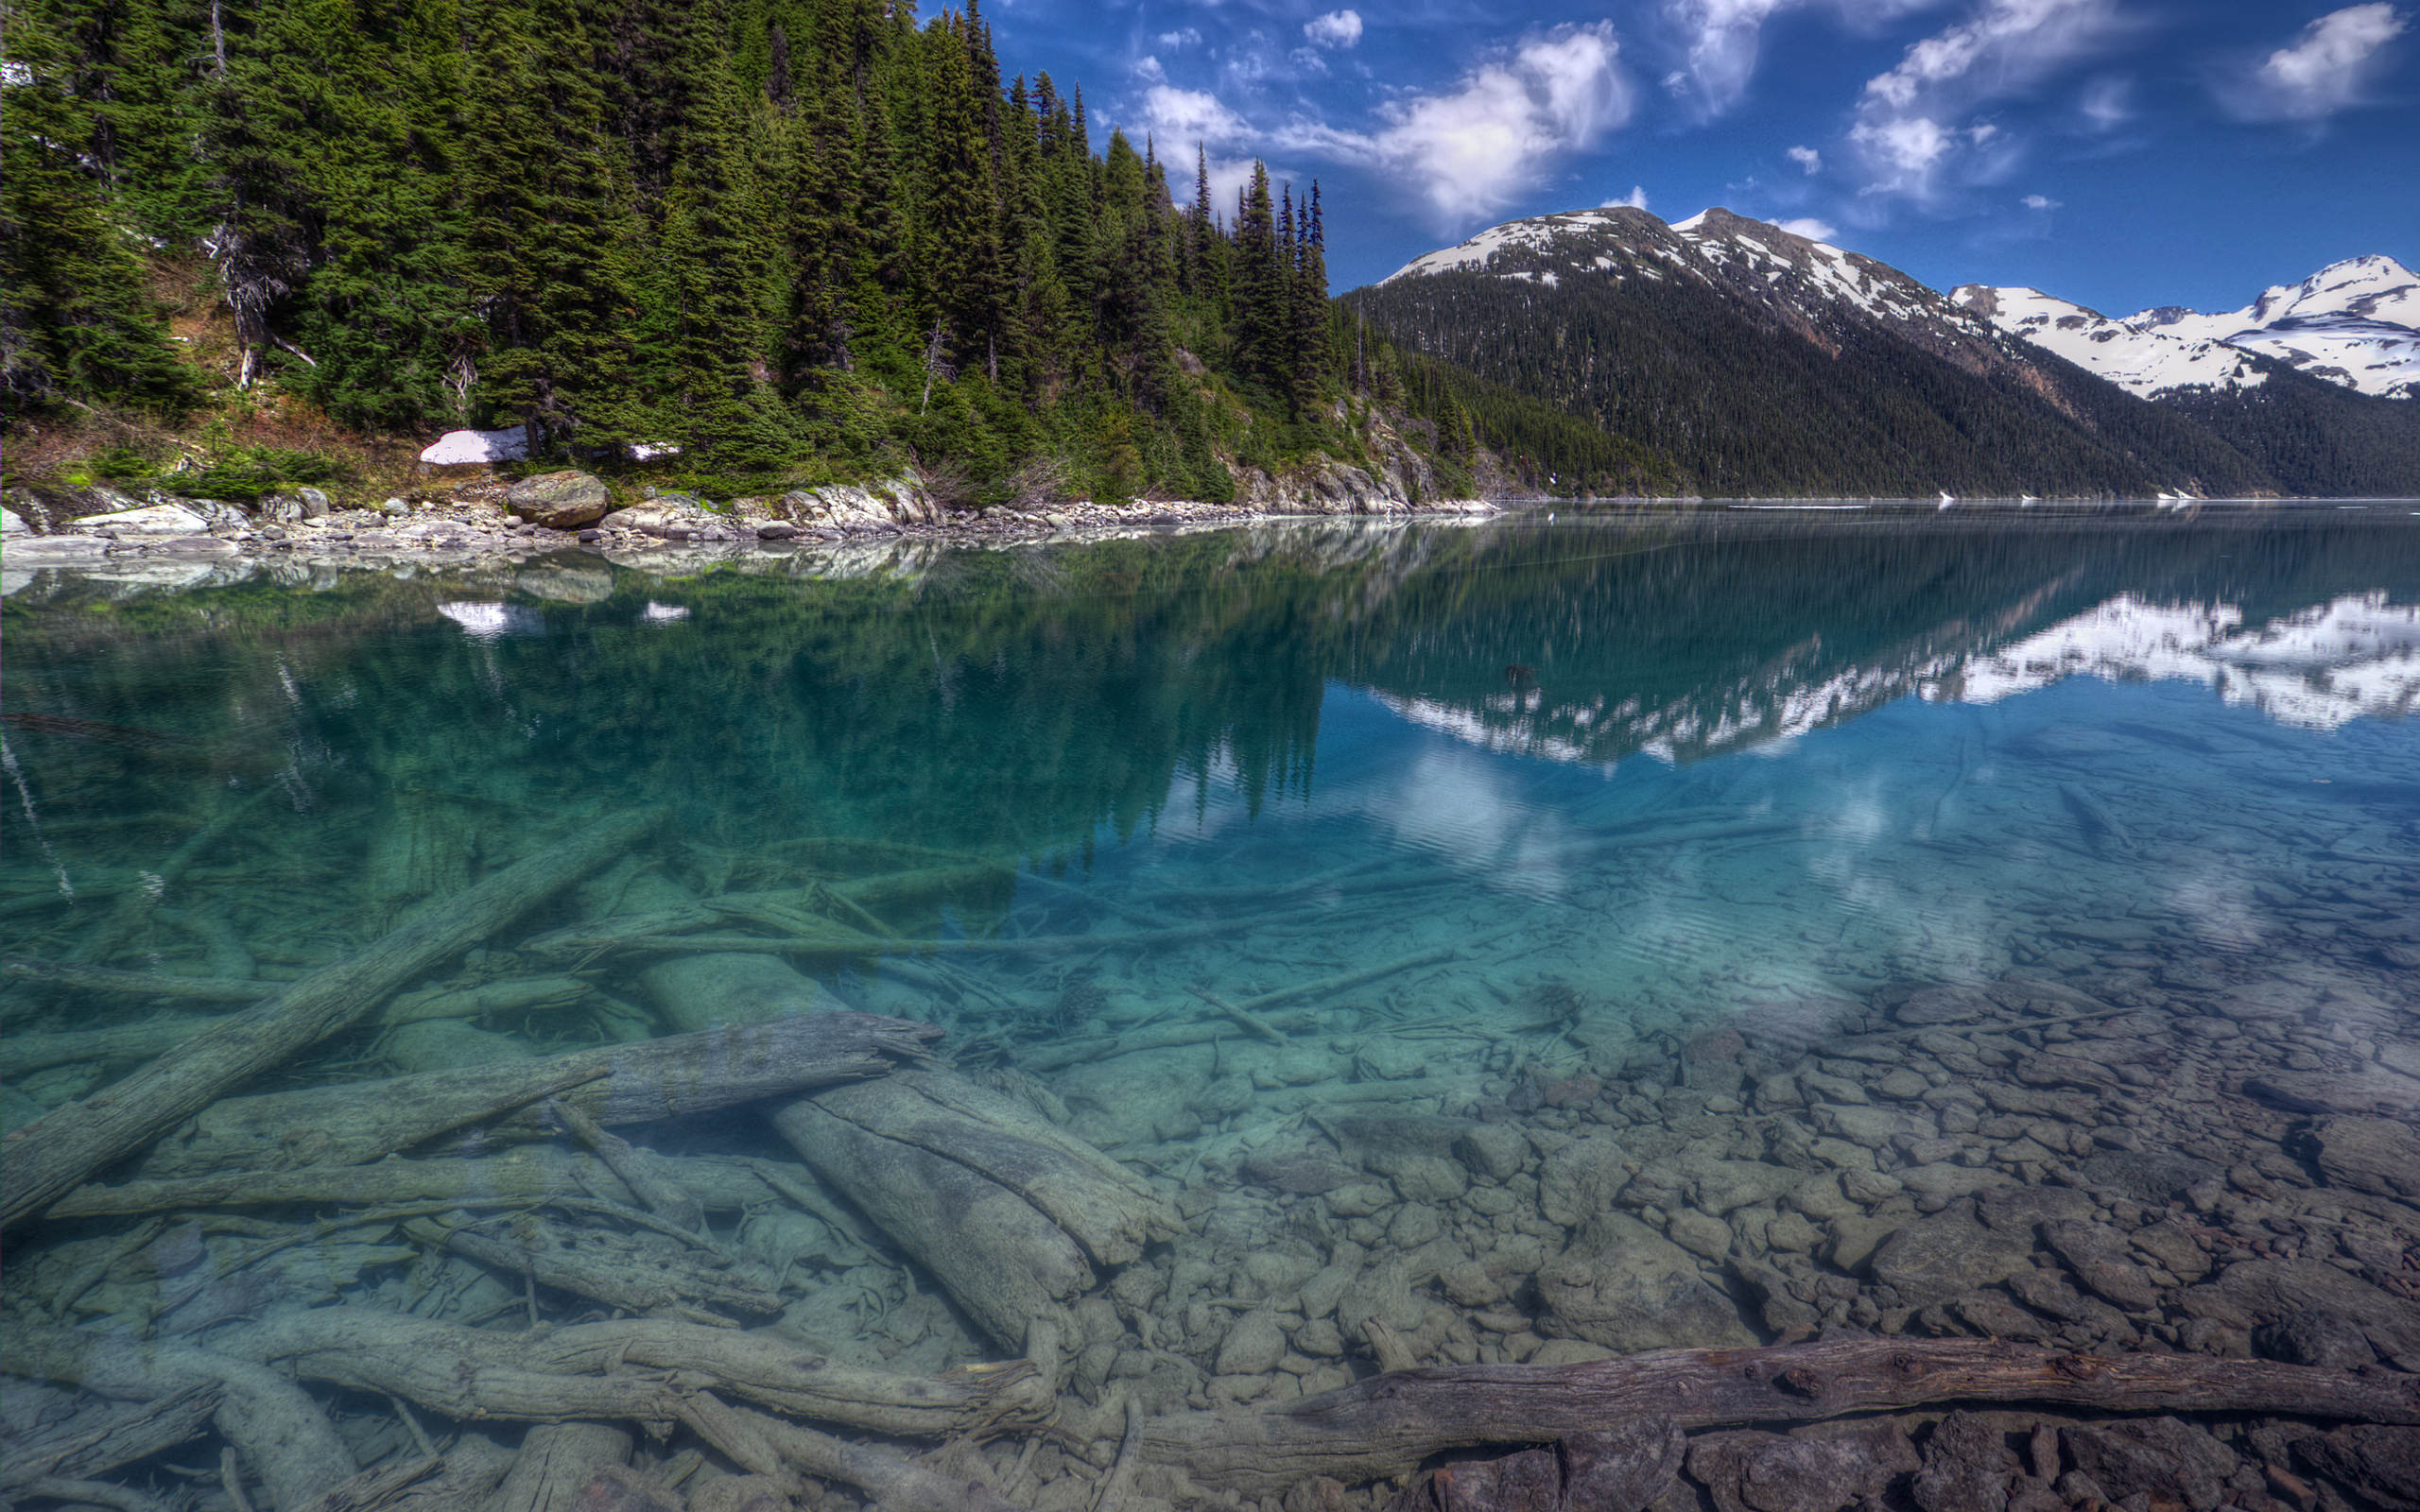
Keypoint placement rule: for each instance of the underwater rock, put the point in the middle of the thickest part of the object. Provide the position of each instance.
(1578, 1182)
(1967, 1467)
(720, 988)
(450, 1045)
(2381, 1462)
(1755, 1471)
(2313, 1337)
(1942, 1004)
(2372, 1155)
(1622, 1285)
(1617, 1469)
(1935, 1258)
(2097, 1253)
(2162, 1458)
(2252, 1292)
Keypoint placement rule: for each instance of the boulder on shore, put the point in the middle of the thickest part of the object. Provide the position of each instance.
(560, 501)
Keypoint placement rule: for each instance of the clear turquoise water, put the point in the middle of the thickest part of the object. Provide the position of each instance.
(1609, 787)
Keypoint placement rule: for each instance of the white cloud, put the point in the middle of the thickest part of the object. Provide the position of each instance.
(1635, 199)
(1721, 53)
(1808, 227)
(2039, 202)
(1179, 40)
(2006, 47)
(1718, 40)
(2009, 44)
(1807, 158)
(1190, 115)
(1907, 146)
(2106, 103)
(2324, 71)
(1473, 149)
(1338, 28)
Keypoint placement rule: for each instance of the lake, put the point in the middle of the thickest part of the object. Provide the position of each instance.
(1521, 940)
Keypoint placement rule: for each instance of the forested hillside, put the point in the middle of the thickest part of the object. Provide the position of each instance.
(809, 238)
(1744, 403)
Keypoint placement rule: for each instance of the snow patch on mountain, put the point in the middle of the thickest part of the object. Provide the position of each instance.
(2147, 363)
(2356, 322)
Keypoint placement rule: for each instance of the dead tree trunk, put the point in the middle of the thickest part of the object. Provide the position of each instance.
(1390, 1423)
(280, 1429)
(614, 1084)
(66, 1145)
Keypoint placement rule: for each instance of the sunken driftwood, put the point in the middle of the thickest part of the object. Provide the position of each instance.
(555, 1461)
(138, 984)
(1388, 1424)
(81, 1448)
(529, 1174)
(1008, 1212)
(288, 1440)
(63, 1148)
(636, 1273)
(165, 1032)
(614, 1084)
(766, 1445)
(576, 1371)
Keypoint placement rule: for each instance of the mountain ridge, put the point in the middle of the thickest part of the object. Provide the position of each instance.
(1670, 334)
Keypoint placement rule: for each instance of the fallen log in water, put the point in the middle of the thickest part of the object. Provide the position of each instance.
(80, 1451)
(769, 1446)
(1008, 1212)
(531, 1174)
(64, 1147)
(630, 1083)
(137, 984)
(290, 1442)
(1388, 1424)
(561, 1374)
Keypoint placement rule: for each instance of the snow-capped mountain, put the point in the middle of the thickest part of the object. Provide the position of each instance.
(1807, 285)
(2355, 323)
(2148, 363)
(1742, 358)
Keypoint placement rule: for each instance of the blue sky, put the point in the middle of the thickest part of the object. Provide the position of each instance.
(2120, 153)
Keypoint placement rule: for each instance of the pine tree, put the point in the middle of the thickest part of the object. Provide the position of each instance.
(960, 248)
(1309, 314)
(74, 321)
(1261, 288)
(546, 236)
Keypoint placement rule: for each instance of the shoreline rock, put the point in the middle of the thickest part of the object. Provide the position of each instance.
(167, 540)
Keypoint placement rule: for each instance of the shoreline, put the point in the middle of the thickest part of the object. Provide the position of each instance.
(180, 542)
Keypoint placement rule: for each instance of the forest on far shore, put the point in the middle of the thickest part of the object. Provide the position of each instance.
(800, 240)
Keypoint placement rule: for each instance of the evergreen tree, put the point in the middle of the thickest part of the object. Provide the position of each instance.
(547, 233)
(1260, 283)
(75, 321)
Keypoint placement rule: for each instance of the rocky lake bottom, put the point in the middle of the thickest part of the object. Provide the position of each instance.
(1276, 957)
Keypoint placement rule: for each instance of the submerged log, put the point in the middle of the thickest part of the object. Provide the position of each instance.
(561, 1374)
(137, 984)
(1006, 1212)
(82, 1450)
(63, 1148)
(556, 1462)
(611, 1268)
(1388, 1424)
(531, 1174)
(630, 1083)
(284, 1434)
(769, 1446)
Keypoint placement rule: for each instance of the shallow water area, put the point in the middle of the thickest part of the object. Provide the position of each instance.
(1351, 945)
